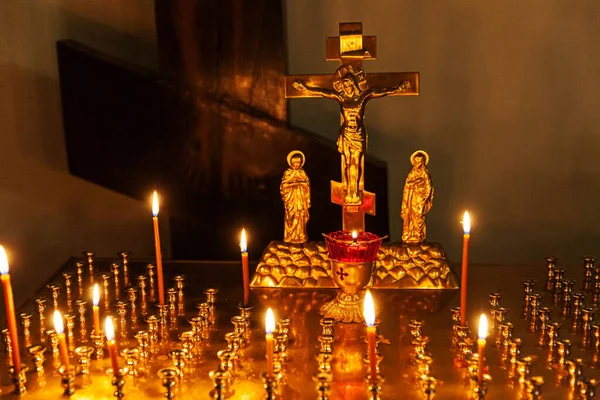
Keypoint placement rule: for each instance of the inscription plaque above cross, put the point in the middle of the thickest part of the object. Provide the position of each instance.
(352, 89)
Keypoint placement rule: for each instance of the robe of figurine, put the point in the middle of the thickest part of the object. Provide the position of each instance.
(417, 199)
(295, 193)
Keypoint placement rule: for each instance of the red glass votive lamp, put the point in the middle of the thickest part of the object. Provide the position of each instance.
(342, 246)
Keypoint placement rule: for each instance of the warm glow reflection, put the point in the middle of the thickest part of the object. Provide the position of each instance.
(109, 329)
(58, 323)
(243, 244)
(466, 223)
(354, 235)
(270, 322)
(155, 204)
(369, 309)
(96, 295)
(483, 327)
(3, 261)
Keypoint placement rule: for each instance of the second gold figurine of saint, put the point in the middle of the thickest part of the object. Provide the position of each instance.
(295, 193)
(417, 199)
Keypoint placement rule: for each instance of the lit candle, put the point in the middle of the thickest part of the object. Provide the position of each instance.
(9, 305)
(269, 328)
(369, 314)
(111, 344)
(354, 237)
(465, 264)
(245, 273)
(159, 269)
(96, 309)
(62, 340)
(483, 331)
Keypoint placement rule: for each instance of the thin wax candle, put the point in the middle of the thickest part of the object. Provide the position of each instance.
(465, 268)
(369, 314)
(9, 305)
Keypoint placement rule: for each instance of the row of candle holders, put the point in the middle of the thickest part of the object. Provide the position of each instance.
(573, 313)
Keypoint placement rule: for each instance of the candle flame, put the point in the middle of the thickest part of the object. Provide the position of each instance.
(96, 295)
(155, 204)
(3, 261)
(109, 329)
(58, 323)
(354, 235)
(483, 327)
(270, 322)
(466, 223)
(243, 244)
(369, 309)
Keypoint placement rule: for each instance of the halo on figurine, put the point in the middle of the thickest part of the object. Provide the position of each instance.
(350, 69)
(293, 153)
(416, 153)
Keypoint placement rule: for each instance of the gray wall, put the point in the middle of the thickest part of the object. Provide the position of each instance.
(46, 215)
(508, 111)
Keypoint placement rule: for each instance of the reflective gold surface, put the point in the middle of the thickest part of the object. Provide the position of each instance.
(396, 311)
(398, 266)
(295, 193)
(417, 199)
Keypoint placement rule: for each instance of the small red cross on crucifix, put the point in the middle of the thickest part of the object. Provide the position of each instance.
(341, 273)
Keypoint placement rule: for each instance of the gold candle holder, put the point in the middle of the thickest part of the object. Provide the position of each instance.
(226, 364)
(587, 388)
(588, 320)
(187, 343)
(246, 312)
(37, 355)
(153, 322)
(270, 385)
(132, 357)
(163, 312)
(544, 320)
(326, 344)
(169, 377)
(239, 326)
(121, 307)
(575, 371)
(327, 326)
(8, 348)
(172, 300)
(142, 284)
(54, 343)
(151, 285)
(98, 342)
(19, 379)
(550, 267)
(106, 289)
(324, 361)
(211, 299)
(533, 387)
(374, 387)
(67, 379)
(588, 276)
(70, 334)
(323, 381)
(179, 284)
(524, 370)
(553, 330)
(89, 261)
(132, 293)
(514, 352)
(55, 295)
(118, 381)
(41, 311)
(178, 357)
(559, 274)
(124, 256)
(81, 309)
(84, 355)
(143, 339)
(114, 268)
(577, 313)
(220, 380)
(564, 352)
(79, 266)
(281, 342)
(428, 385)
(481, 388)
(68, 281)
(500, 315)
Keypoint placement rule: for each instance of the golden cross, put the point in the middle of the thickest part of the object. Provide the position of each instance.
(351, 47)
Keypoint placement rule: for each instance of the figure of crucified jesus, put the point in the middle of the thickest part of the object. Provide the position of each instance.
(351, 91)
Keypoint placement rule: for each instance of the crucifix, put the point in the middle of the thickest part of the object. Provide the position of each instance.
(352, 89)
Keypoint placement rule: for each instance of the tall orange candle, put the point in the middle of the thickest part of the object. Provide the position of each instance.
(245, 272)
(96, 309)
(9, 305)
(111, 344)
(159, 269)
(269, 328)
(369, 314)
(465, 267)
(62, 340)
(483, 331)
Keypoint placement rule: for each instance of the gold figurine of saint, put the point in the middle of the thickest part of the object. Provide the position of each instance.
(417, 199)
(295, 193)
(351, 90)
